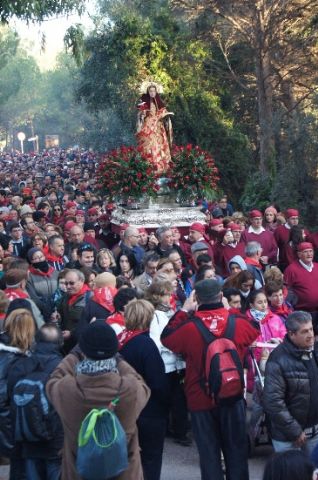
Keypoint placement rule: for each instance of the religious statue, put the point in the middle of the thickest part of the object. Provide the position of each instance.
(154, 128)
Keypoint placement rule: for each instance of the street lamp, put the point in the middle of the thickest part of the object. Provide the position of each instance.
(21, 137)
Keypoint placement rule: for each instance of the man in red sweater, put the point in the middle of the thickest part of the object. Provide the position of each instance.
(282, 234)
(302, 277)
(256, 233)
(214, 426)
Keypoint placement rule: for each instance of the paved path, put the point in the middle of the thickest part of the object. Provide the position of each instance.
(181, 463)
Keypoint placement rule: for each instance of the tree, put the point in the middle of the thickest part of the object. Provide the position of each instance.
(149, 43)
(281, 36)
(37, 10)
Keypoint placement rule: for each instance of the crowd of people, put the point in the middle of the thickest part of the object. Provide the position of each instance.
(95, 311)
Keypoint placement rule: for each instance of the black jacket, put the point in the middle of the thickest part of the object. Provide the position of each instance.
(290, 390)
(8, 355)
(44, 357)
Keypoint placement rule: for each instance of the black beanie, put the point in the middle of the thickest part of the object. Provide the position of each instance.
(98, 341)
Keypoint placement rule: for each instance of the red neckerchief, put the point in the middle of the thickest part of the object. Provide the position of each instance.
(72, 299)
(35, 271)
(13, 293)
(104, 296)
(214, 320)
(251, 261)
(116, 318)
(283, 310)
(126, 335)
(53, 258)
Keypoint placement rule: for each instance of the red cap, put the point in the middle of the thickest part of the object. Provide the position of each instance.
(80, 212)
(105, 217)
(92, 211)
(304, 246)
(255, 213)
(70, 204)
(292, 212)
(198, 227)
(110, 206)
(235, 227)
(70, 224)
(215, 221)
(142, 230)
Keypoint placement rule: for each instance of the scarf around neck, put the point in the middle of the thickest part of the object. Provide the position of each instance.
(93, 367)
(126, 335)
(72, 299)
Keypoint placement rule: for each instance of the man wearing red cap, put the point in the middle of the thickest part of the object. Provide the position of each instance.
(197, 234)
(256, 233)
(282, 234)
(301, 276)
(226, 250)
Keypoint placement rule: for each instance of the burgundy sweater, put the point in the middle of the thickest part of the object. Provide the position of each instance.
(267, 241)
(304, 284)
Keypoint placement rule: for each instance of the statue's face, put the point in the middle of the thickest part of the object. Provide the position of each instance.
(152, 92)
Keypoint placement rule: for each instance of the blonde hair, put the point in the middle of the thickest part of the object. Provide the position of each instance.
(20, 327)
(138, 314)
(110, 255)
(4, 302)
(273, 274)
(157, 290)
(105, 279)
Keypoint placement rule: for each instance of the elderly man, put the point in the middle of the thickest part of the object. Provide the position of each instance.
(130, 244)
(256, 233)
(291, 387)
(166, 243)
(72, 307)
(302, 277)
(253, 252)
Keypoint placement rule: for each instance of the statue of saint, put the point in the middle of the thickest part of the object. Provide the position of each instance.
(154, 128)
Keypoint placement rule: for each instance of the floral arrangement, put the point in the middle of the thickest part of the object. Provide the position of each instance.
(193, 174)
(125, 175)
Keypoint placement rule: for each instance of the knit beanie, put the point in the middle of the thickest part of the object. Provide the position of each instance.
(31, 252)
(207, 290)
(98, 341)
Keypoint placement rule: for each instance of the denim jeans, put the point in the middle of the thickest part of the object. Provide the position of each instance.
(222, 429)
(310, 444)
(40, 469)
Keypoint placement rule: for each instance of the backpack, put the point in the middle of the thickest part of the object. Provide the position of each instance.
(102, 443)
(33, 412)
(224, 375)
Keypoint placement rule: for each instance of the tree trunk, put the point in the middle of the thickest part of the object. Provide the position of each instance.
(265, 97)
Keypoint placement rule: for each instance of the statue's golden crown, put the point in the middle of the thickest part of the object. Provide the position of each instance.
(143, 89)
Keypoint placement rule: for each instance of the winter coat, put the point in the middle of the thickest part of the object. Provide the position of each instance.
(45, 357)
(8, 355)
(288, 390)
(74, 396)
(172, 361)
(142, 354)
(70, 318)
(41, 289)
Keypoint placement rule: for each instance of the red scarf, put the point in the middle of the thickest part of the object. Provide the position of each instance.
(13, 293)
(126, 335)
(35, 271)
(72, 299)
(104, 296)
(251, 261)
(116, 318)
(283, 310)
(53, 258)
(214, 320)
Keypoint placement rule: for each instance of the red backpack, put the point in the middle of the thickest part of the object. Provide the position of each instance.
(224, 375)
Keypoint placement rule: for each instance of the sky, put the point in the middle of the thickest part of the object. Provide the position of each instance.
(54, 30)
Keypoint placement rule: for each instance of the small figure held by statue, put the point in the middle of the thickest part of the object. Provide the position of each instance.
(154, 127)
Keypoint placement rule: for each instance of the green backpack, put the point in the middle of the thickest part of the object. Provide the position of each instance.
(102, 445)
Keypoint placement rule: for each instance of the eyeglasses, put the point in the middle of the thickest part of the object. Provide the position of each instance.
(69, 283)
